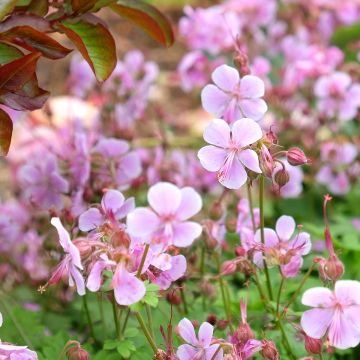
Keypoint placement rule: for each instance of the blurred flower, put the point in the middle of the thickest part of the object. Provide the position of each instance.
(228, 154)
(13, 352)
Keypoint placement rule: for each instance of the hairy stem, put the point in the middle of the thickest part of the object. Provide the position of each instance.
(88, 317)
(261, 206)
(251, 207)
(279, 294)
(146, 332)
(116, 317)
(149, 317)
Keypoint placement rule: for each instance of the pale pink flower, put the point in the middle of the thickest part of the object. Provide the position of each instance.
(13, 352)
(232, 97)
(71, 264)
(113, 208)
(282, 247)
(229, 153)
(200, 347)
(171, 208)
(337, 96)
(336, 313)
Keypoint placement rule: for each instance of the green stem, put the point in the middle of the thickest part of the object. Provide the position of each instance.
(88, 317)
(150, 321)
(116, 317)
(296, 293)
(125, 322)
(15, 322)
(202, 272)
(146, 332)
(251, 206)
(279, 294)
(285, 341)
(101, 310)
(261, 206)
(146, 250)
(183, 299)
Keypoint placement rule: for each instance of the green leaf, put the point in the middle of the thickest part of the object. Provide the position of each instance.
(146, 17)
(110, 344)
(32, 39)
(38, 7)
(131, 332)
(6, 128)
(125, 348)
(151, 296)
(96, 45)
(82, 6)
(6, 6)
(9, 53)
(346, 34)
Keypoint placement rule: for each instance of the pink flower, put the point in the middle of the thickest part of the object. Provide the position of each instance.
(338, 97)
(229, 153)
(117, 166)
(281, 248)
(197, 348)
(71, 264)
(336, 313)
(171, 208)
(113, 207)
(232, 98)
(13, 352)
(42, 182)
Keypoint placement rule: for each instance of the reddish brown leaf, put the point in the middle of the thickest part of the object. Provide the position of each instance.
(147, 17)
(35, 21)
(95, 43)
(32, 39)
(6, 128)
(81, 6)
(38, 7)
(16, 73)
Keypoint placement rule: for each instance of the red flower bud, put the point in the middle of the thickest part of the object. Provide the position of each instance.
(228, 267)
(282, 177)
(333, 268)
(313, 346)
(242, 334)
(239, 251)
(173, 298)
(296, 156)
(211, 319)
(269, 351)
(77, 353)
(222, 324)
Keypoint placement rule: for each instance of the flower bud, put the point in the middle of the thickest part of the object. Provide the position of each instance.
(231, 224)
(266, 161)
(216, 210)
(239, 251)
(222, 324)
(282, 177)
(333, 268)
(77, 353)
(296, 156)
(313, 346)
(173, 298)
(84, 247)
(211, 319)
(228, 267)
(269, 351)
(242, 334)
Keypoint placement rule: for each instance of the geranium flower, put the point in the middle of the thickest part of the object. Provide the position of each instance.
(13, 352)
(197, 348)
(232, 98)
(229, 153)
(338, 96)
(167, 220)
(71, 264)
(336, 313)
(113, 207)
(282, 248)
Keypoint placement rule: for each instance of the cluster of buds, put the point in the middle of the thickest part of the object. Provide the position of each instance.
(330, 269)
(241, 60)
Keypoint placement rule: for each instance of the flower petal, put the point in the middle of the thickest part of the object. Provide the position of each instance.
(226, 77)
(94, 279)
(214, 100)
(245, 132)
(185, 233)
(217, 133)
(270, 237)
(76, 275)
(164, 198)
(316, 321)
(285, 227)
(190, 204)
(187, 332)
(232, 175)
(186, 352)
(317, 297)
(90, 219)
(212, 158)
(126, 208)
(112, 201)
(142, 222)
(302, 242)
(253, 108)
(348, 291)
(205, 334)
(129, 289)
(211, 350)
(252, 87)
(64, 237)
(250, 159)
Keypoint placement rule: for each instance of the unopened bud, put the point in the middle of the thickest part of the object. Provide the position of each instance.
(173, 298)
(228, 267)
(282, 177)
(266, 161)
(269, 351)
(240, 251)
(211, 319)
(231, 224)
(313, 346)
(296, 156)
(222, 324)
(77, 353)
(334, 268)
(243, 333)
(216, 210)
(84, 247)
